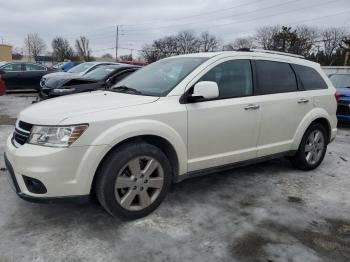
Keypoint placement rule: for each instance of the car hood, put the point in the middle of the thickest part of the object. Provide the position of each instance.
(58, 82)
(59, 74)
(54, 111)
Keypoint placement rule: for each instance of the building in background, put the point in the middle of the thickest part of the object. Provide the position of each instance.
(5, 52)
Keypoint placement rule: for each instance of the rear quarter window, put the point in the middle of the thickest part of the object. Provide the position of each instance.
(310, 79)
(275, 77)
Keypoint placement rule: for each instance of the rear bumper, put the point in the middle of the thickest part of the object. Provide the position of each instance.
(66, 199)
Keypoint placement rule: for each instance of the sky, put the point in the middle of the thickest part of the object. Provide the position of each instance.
(140, 22)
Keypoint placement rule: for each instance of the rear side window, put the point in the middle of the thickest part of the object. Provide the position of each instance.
(310, 78)
(33, 67)
(275, 77)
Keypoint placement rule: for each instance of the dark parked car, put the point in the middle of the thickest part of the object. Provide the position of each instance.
(22, 75)
(75, 71)
(341, 82)
(102, 77)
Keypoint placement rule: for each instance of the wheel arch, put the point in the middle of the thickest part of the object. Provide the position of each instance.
(163, 144)
(317, 115)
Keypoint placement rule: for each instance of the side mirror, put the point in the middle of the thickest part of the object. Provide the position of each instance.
(109, 82)
(204, 90)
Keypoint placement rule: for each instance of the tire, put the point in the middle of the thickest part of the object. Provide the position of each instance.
(311, 150)
(125, 179)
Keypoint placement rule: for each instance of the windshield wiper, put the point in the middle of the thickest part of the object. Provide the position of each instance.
(125, 89)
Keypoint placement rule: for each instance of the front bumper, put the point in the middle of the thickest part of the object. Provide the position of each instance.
(15, 186)
(66, 173)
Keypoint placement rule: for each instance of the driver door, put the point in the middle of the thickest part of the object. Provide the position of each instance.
(224, 130)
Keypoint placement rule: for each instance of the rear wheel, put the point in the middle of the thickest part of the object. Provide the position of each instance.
(312, 148)
(133, 180)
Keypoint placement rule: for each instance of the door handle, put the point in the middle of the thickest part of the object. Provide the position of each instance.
(251, 107)
(303, 101)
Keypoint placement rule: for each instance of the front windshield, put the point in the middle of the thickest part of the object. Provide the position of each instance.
(340, 80)
(80, 68)
(99, 73)
(159, 78)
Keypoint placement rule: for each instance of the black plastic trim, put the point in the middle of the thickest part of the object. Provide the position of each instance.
(216, 169)
(83, 199)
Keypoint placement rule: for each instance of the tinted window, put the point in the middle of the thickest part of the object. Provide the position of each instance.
(33, 67)
(12, 67)
(234, 78)
(310, 78)
(275, 77)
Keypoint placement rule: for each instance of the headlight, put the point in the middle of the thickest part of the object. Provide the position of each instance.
(55, 136)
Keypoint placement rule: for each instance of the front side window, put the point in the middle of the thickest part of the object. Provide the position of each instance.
(275, 77)
(310, 78)
(234, 78)
(33, 67)
(12, 67)
(159, 78)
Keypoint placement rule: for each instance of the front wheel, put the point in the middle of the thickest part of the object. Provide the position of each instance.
(133, 180)
(312, 148)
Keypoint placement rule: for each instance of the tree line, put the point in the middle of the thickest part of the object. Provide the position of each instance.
(61, 48)
(330, 46)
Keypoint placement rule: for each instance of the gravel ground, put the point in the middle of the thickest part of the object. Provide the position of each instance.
(265, 212)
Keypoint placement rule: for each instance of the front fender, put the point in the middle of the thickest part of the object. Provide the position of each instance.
(125, 130)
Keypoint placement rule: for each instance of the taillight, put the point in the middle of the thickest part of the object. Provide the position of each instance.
(337, 96)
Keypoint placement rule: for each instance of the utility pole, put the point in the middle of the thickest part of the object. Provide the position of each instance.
(116, 44)
(28, 49)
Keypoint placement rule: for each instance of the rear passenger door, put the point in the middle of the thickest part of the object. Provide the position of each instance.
(13, 76)
(283, 105)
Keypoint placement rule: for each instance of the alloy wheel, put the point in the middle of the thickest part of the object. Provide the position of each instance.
(139, 183)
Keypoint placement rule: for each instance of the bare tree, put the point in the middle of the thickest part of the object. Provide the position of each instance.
(187, 42)
(61, 49)
(125, 57)
(331, 39)
(34, 45)
(107, 57)
(265, 36)
(243, 42)
(208, 42)
(83, 49)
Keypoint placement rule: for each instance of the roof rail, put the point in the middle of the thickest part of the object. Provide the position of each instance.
(276, 53)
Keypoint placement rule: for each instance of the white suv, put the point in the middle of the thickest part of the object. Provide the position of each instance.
(177, 118)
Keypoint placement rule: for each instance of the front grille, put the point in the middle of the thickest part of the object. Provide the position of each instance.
(343, 109)
(22, 133)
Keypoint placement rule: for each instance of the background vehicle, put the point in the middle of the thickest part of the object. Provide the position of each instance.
(102, 77)
(78, 70)
(2, 84)
(174, 119)
(23, 75)
(65, 66)
(341, 81)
